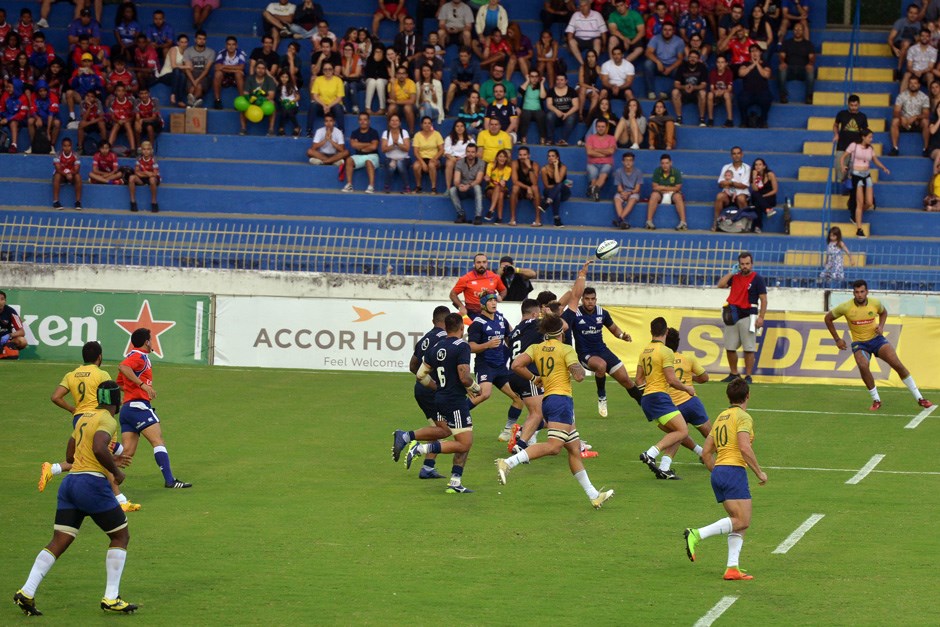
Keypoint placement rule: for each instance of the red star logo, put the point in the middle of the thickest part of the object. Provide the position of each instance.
(145, 320)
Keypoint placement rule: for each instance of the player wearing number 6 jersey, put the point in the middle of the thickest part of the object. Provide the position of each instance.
(868, 340)
(731, 439)
(556, 364)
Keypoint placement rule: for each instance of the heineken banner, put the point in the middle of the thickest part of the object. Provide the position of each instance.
(57, 323)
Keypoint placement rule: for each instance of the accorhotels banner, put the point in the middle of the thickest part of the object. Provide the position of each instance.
(319, 333)
(794, 347)
(58, 323)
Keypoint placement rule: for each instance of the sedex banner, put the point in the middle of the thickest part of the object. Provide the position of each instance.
(58, 323)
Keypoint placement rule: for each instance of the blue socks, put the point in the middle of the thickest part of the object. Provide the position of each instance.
(601, 383)
(163, 462)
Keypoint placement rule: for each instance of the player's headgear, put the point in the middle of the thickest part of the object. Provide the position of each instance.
(109, 393)
(551, 326)
(486, 296)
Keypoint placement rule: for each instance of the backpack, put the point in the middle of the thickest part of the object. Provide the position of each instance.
(40, 144)
(735, 220)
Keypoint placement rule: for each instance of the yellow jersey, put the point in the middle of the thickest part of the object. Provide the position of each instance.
(83, 384)
(328, 89)
(686, 366)
(490, 144)
(552, 360)
(862, 319)
(402, 93)
(87, 425)
(655, 359)
(498, 174)
(728, 425)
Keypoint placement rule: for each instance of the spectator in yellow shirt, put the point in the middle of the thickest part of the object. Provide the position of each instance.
(498, 173)
(326, 96)
(402, 97)
(492, 140)
(429, 148)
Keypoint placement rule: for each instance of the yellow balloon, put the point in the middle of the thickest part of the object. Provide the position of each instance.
(254, 113)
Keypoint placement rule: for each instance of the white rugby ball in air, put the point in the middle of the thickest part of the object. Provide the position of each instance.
(607, 249)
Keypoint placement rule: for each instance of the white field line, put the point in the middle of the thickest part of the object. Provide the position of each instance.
(800, 531)
(872, 414)
(716, 612)
(866, 469)
(852, 470)
(919, 418)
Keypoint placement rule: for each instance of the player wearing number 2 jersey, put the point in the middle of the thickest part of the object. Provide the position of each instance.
(731, 439)
(866, 317)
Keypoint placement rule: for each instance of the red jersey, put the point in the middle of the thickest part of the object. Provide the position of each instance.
(503, 46)
(139, 362)
(146, 59)
(740, 50)
(723, 80)
(471, 284)
(146, 109)
(149, 166)
(122, 110)
(105, 162)
(94, 51)
(115, 77)
(13, 108)
(66, 163)
(25, 31)
(4, 31)
(10, 54)
(92, 110)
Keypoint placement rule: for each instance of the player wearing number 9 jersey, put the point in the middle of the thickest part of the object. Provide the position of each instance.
(731, 439)
(556, 364)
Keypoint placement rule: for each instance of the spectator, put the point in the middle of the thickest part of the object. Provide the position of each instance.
(403, 96)
(146, 172)
(92, 117)
(932, 199)
(464, 77)
(58, 79)
(25, 28)
(631, 128)
(921, 58)
(306, 17)
(14, 110)
(793, 12)
(377, 73)
(627, 31)
(396, 144)
(759, 30)
(67, 171)
(773, 9)
(498, 173)
(662, 128)
(427, 57)
(903, 35)
(364, 43)
(586, 30)
(288, 103)
(664, 54)
(728, 24)
(628, 180)
(121, 109)
(147, 117)
(351, 73)
(44, 116)
(326, 96)
(201, 11)
(522, 51)
(455, 149)
(690, 86)
(391, 10)
(747, 290)
(659, 17)
(517, 280)
(329, 144)
(472, 113)
(104, 167)
(755, 91)
(933, 144)
(617, 76)
(847, 129)
(738, 48)
(126, 30)
(99, 54)
(498, 51)
(407, 42)
(667, 189)
(160, 34)
(492, 140)
(277, 18)
(322, 32)
(693, 22)
(325, 53)
(176, 68)
(267, 53)
(364, 142)
(229, 69)
(563, 106)
(836, 256)
(42, 53)
(146, 61)
(455, 24)
(797, 63)
(911, 115)
(546, 54)
(468, 177)
(603, 112)
(600, 149)
(696, 43)
(258, 88)
(588, 80)
(85, 80)
(497, 77)
(556, 188)
(430, 95)
(200, 58)
(428, 148)
(857, 161)
(734, 183)
(503, 111)
(556, 12)
(763, 193)
(525, 186)
(83, 24)
(490, 17)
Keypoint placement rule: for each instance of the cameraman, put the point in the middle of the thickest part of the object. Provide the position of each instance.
(518, 281)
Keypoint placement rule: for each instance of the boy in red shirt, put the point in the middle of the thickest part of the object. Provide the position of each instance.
(720, 87)
(121, 108)
(104, 167)
(92, 115)
(67, 168)
(147, 116)
(146, 172)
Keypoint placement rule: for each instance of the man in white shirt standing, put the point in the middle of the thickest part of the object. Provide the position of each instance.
(586, 30)
(734, 183)
(617, 75)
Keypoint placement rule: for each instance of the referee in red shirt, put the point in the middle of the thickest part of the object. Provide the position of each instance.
(473, 283)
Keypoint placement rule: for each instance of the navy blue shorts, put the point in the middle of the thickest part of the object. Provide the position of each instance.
(612, 361)
(730, 483)
(658, 406)
(425, 399)
(86, 493)
(694, 411)
(456, 415)
(136, 416)
(558, 408)
(871, 347)
(523, 387)
(492, 374)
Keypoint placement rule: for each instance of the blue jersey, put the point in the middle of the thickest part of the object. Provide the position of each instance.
(587, 329)
(481, 331)
(522, 337)
(444, 357)
(422, 347)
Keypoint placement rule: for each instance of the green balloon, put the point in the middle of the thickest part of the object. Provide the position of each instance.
(267, 107)
(254, 113)
(241, 104)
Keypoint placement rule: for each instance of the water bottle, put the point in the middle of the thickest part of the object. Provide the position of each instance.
(254, 30)
(786, 215)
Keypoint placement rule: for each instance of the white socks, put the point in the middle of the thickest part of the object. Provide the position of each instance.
(698, 450)
(121, 498)
(41, 567)
(735, 542)
(874, 394)
(909, 382)
(665, 463)
(115, 567)
(56, 469)
(519, 458)
(652, 452)
(585, 482)
(716, 528)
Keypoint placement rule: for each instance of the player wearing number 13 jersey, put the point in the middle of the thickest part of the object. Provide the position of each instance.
(731, 439)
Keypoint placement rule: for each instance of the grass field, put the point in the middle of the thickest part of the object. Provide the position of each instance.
(298, 515)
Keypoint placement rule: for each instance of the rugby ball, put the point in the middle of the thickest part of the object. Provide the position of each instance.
(607, 249)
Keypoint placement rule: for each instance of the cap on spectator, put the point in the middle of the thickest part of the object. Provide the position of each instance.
(87, 57)
(85, 13)
(505, 259)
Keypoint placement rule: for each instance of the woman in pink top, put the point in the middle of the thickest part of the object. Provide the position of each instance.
(863, 194)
